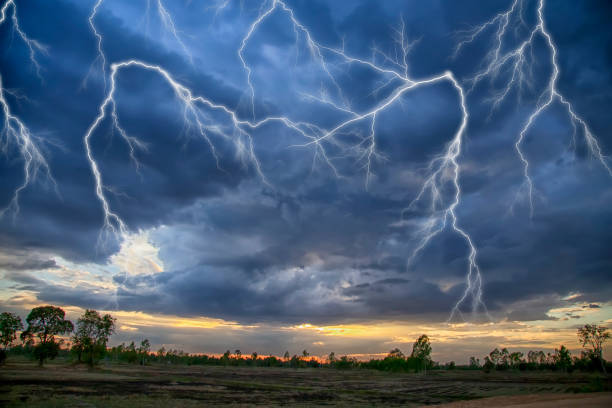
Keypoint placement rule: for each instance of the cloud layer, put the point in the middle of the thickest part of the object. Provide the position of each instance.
(309, 247)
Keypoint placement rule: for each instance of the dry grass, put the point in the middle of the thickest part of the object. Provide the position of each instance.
(116, 385)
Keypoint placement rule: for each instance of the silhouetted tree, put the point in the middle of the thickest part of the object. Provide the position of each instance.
(143, 351)
(495, 357)
(92, 334)
(130, 354)
(563, 358)
(515, 358)
(9, 325)
(504, 356)
(594, 336)
(331, 358)
(474, 362)
(421, 350)
(46, 322)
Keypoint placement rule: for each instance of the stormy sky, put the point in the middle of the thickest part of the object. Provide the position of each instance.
(268, 233)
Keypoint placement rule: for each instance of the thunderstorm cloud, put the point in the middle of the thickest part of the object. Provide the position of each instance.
(211, 234)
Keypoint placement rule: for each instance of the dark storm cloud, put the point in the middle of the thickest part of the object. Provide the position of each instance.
(27, 264)
(313, 247)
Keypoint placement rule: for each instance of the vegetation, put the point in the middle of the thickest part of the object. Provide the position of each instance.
(91, 335)
(41, 341)
(594, 336)
(10, 324)
(44, 323)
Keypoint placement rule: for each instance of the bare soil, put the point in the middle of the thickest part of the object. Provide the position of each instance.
(591, 400)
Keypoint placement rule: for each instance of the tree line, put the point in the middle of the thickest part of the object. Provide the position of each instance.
(591, 336)
(47, 328)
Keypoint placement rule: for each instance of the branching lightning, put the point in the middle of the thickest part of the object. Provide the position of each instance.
(517, 62)
(14, 131)
(433, 202)
(443, 170)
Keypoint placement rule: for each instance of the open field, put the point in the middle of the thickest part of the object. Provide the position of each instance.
(118, 385)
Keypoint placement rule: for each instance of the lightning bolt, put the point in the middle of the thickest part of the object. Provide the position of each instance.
(512, 67)
(168, 22)
(518, 62)
(443, 171)
(14, 131)
(100, 59)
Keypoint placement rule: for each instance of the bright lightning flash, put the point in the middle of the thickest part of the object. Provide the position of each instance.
(14, 132)
(443, 170)
(517, 62)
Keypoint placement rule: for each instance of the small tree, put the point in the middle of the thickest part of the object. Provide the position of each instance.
(495, 357)
(9, 325)
(421, 350)
(516, 358)
(143, 351)
(474, 362)
(594, 336)
(46, 322)
(563, 358)
(331, 358)
(505, 358)
(92, 334)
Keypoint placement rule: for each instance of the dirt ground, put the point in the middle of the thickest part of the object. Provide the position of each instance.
(591, 400)
(116, 385)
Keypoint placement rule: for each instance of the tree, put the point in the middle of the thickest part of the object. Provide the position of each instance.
(254, 356)
(563, 358)
(130, 354)
(305, 353)
(474, 362)
(594, 336)
(46, 322)
(495, 357)
(421, 350)
(331, 358)
(143, 351)
(516, 358)
(505, 358)
(9, 325)
(92, 334)
(286, 355)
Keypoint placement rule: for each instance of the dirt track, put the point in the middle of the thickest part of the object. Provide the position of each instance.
(594, 400)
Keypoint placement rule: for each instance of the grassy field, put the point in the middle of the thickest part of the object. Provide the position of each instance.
(60, 384)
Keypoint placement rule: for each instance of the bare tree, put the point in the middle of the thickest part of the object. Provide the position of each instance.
(594, 336)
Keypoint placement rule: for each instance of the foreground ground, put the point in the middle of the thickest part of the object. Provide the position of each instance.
(115, 385)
